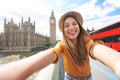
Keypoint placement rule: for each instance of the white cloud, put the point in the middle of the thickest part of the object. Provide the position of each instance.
(106, 10)
(88, 10)
(61, 2)
(101, 22)
(108, 7)
(115, 3)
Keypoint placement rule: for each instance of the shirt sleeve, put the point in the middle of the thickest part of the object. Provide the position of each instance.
(58, 49)
(89, 44)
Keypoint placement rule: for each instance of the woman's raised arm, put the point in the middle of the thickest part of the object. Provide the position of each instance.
(107, 56)
(21, 69)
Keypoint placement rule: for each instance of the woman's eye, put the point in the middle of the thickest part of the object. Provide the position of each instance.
(66, 26)
(74, 23)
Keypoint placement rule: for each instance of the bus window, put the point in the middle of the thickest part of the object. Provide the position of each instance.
(117, 38)
(118, 24)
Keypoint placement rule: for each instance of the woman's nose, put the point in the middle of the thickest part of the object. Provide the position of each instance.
(71, 27)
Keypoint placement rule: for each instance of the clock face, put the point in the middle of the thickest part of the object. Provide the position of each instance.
(52, 21)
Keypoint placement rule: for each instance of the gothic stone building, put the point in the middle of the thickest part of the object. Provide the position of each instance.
(21, 37)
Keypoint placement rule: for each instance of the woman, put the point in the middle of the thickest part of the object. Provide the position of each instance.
(75, 47)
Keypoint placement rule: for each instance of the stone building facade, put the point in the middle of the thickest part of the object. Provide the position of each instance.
(21, 37)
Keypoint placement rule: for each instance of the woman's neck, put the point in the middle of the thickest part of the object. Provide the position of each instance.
(74, 41)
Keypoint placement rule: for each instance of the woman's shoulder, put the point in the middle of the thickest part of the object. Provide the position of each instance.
(60, 42)
(89, 43)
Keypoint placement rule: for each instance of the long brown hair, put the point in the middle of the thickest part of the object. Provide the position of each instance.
(78, 52)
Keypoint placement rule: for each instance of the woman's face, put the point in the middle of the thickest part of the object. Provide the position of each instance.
(71, 28)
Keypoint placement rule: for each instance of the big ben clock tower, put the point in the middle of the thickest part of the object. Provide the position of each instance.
(52, 28)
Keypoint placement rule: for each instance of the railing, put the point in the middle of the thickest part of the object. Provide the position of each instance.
(51, 72)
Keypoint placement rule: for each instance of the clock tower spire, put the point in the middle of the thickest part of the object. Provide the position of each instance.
(52, 22)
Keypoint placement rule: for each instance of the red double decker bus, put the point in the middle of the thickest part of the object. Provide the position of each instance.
(110, 35)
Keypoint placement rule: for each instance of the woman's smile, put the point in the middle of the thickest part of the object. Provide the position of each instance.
(72, 33)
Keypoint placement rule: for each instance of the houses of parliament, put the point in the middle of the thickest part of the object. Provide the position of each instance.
(22, 37)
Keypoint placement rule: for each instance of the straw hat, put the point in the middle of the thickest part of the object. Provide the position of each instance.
(73, 14)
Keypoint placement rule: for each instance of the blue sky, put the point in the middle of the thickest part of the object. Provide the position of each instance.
(96, 13)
